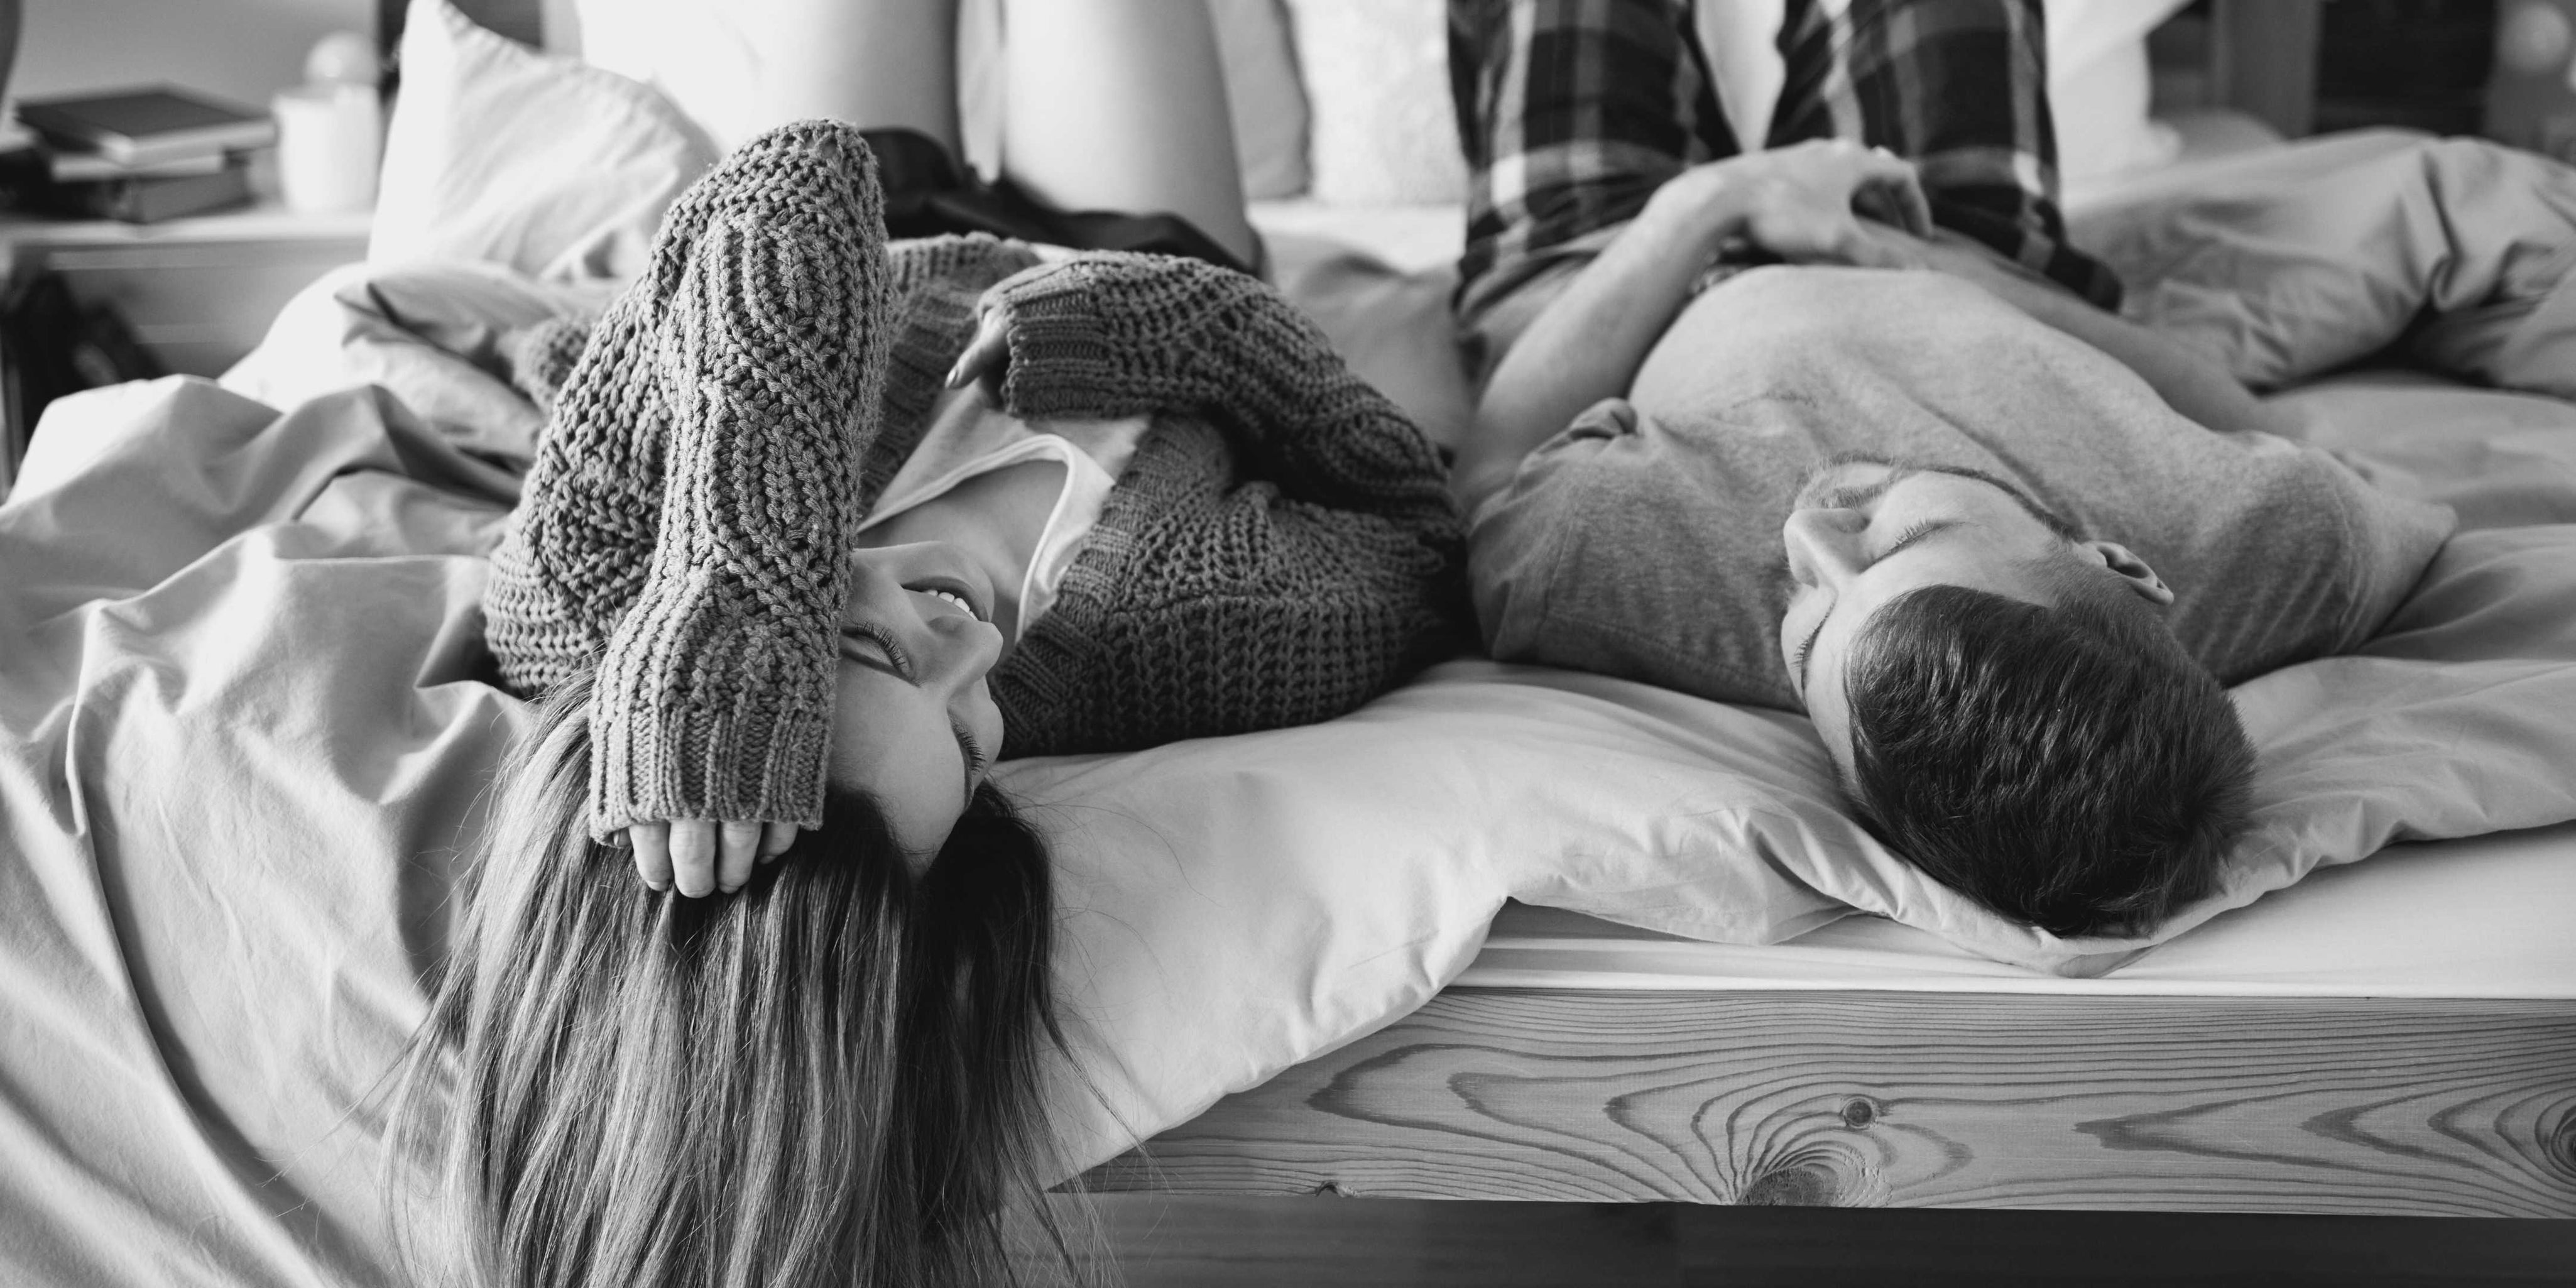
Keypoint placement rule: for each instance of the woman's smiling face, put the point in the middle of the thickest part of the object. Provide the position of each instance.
(914, 726)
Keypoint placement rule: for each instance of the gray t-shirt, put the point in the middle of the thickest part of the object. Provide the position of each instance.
(1644, 541)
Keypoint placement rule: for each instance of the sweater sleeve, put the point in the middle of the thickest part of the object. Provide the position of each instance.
(693, 506)
(1114, 334)
(1208, 605)
(574, 556)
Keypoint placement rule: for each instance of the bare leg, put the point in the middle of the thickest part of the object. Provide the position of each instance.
(877, 64)
(1120, 105)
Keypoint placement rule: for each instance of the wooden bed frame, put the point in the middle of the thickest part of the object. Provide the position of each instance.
(2404, 1107)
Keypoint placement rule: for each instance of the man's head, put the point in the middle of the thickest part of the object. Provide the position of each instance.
(2004, 701)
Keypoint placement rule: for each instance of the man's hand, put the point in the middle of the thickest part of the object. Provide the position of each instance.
(987, 359)
(703, 855)
(1811, 203)
(1828, 202)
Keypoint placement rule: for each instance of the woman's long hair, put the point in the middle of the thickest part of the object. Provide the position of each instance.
(832, 1076)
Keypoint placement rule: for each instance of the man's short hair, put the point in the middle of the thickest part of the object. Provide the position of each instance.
(2068, 766)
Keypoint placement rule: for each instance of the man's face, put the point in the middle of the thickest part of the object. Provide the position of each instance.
(1862, 533)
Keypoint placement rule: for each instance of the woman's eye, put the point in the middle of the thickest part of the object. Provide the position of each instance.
(867, 644)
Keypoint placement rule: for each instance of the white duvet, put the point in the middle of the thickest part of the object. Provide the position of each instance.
(241, 751)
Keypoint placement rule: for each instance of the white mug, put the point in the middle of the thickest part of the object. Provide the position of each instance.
(330, 138)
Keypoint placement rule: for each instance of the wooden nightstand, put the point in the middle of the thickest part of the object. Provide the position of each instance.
(198, 292)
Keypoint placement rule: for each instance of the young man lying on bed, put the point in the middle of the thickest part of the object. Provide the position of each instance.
(2002, 547)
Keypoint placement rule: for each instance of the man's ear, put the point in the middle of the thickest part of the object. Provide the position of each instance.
(2130, 568)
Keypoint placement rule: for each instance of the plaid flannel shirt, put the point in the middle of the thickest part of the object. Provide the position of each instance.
(1574, 111)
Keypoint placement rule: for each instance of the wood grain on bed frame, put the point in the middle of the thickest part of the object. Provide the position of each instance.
(2423, 1107)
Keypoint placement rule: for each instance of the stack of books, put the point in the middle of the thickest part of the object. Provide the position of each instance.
(139, 155)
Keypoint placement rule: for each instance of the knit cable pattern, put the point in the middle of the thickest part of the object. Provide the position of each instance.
(688, 518)
(1114, 334)
(1282, 547)
(540, 358)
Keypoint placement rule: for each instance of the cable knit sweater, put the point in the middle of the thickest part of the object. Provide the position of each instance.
(1281, 548)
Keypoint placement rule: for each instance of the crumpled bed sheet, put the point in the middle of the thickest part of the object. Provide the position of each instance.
(241, 752)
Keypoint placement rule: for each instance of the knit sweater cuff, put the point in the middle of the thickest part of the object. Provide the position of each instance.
(936, 324)
(1067, 358)
(766, 347)
(698, 717)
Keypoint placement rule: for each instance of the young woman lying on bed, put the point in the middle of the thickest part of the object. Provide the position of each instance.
(787, 577)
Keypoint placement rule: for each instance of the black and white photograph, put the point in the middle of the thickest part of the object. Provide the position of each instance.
(1229, 643)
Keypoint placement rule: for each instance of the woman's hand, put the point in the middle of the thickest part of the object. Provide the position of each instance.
(703, 855)
(1819, 202)
(988, 355)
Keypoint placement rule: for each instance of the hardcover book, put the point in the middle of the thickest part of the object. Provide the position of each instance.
(151, 200)
(151, 126)
(89, 167)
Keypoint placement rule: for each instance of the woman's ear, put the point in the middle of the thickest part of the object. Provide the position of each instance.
(2131, 569)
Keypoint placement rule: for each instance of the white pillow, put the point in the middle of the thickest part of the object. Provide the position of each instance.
(709, 61)
(1380, 127)
(502, 154)
(2100, 88)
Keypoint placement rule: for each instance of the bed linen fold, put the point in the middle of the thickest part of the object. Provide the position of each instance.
(222, 867)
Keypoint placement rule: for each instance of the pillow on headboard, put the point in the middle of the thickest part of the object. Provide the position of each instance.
(502, 154)
(2100, 88)
(736, 67)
